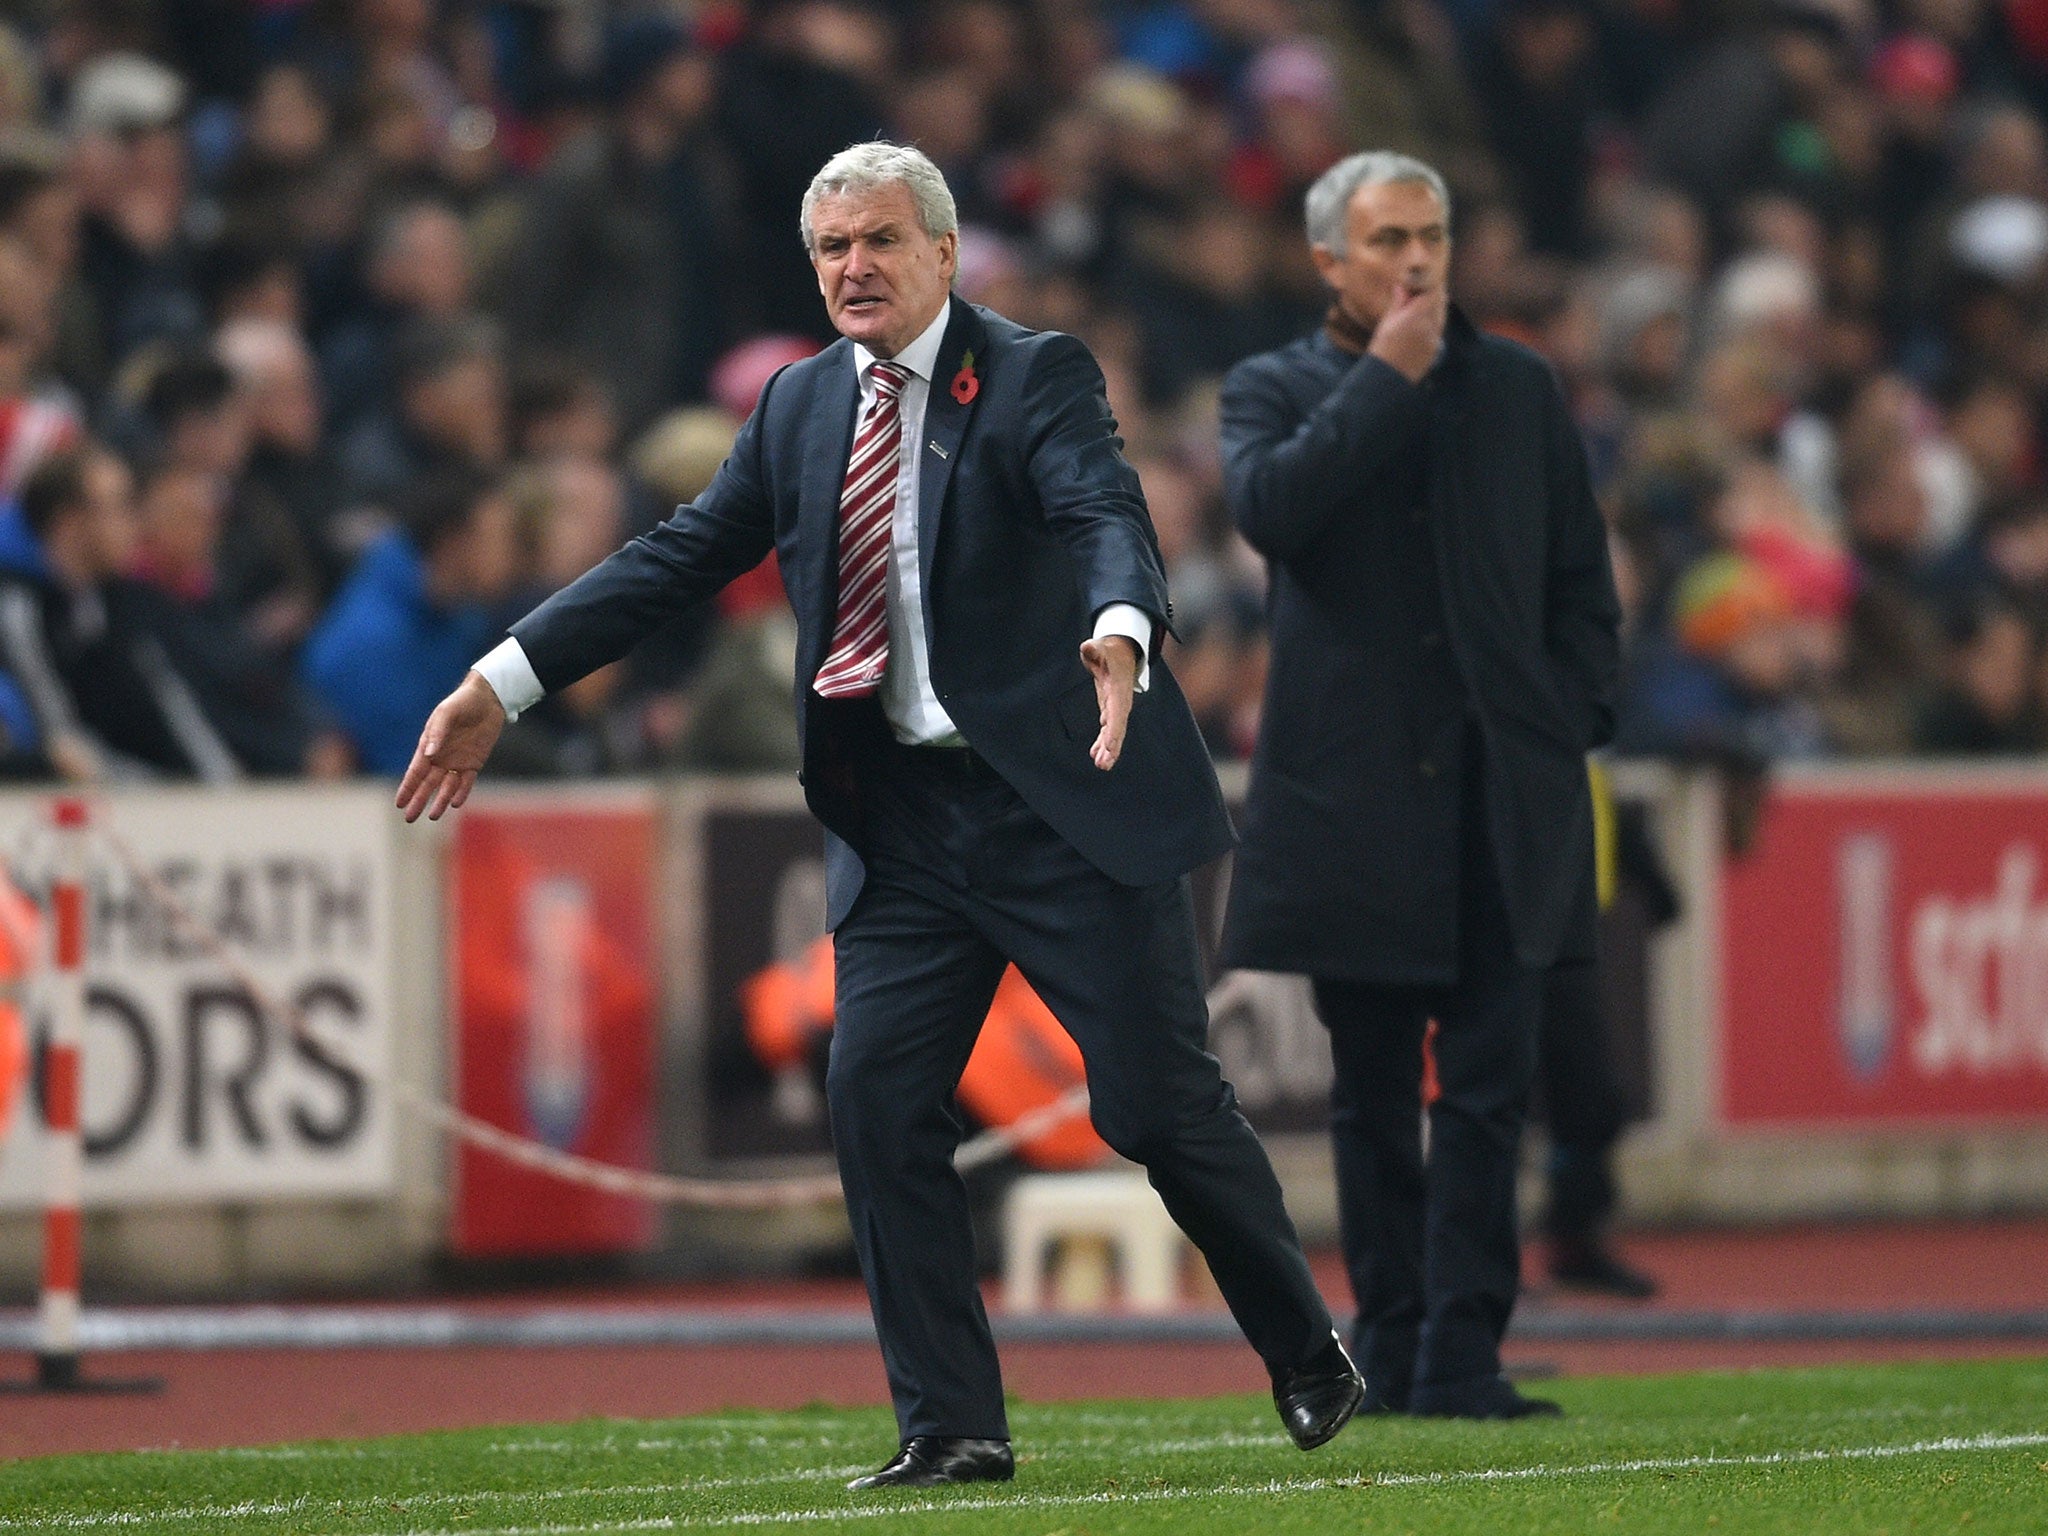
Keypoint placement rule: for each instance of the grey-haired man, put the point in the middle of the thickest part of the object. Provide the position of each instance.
(1418, 837)
(978, 594)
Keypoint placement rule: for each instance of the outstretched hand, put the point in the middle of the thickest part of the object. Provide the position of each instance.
(1113, 662)
(458, 738)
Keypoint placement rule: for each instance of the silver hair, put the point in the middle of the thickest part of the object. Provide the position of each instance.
(866, 167)
(1328, 205)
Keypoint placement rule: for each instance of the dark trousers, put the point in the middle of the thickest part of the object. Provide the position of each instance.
(1584, 1104)
(1431, 1242)
(961, 877)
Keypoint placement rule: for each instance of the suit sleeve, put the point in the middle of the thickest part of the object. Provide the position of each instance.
(1582, 616)
(601, 615)
(1089, 493)
(1286, 475)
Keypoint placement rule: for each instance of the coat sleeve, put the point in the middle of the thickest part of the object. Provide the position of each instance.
(1287, 475)
(1582, 616)
(614, 605)
(1086, 487)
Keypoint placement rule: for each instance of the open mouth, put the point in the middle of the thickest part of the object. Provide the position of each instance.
(863, 303)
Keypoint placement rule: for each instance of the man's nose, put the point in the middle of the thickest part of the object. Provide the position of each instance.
(857, 263)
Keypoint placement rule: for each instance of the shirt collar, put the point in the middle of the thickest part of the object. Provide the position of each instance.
(920, 357)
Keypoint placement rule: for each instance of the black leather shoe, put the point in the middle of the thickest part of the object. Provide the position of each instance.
(1485, 1397)
(1589, 1265)
(1318, 1397)
(926, 1460)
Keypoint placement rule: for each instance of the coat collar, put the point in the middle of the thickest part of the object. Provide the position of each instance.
(946, 416)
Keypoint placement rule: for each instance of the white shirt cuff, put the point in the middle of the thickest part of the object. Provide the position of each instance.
(1132, 622)
(511, 678)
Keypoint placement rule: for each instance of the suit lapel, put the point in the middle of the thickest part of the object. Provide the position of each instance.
(827, 437)
(945, 423)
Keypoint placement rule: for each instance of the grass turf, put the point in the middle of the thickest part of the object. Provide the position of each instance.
(1891, 1449)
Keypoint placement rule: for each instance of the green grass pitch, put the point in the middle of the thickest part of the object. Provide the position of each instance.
(1951, 1448)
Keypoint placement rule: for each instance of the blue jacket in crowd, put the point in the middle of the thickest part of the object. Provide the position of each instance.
(385, 655)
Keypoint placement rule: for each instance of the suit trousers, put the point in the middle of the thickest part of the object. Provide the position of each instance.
(1431, 1241)
(962, 876)
(1583, 1102)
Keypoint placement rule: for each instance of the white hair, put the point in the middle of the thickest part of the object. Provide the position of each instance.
(866, 167)
(1328, 204)
(1764, 288)
(254, 349)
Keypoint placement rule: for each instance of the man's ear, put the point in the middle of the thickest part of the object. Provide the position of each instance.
(1326, 263)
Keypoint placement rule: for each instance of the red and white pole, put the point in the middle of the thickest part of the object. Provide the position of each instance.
(63, 1150)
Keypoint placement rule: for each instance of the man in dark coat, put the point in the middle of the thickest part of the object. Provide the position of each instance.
(1418, 837)
(977, 591)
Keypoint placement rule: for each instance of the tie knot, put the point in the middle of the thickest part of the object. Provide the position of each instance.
(889, 380)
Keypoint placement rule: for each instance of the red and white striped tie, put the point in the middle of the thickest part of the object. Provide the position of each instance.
(867, 508)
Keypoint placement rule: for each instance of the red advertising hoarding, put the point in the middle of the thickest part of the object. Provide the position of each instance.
(1884, 957)
(553, 943)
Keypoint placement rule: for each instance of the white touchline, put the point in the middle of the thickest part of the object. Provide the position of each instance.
(245, 1508)
(305, 1505)
(1268, 1489)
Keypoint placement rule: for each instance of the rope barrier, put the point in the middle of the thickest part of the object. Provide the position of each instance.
(709, 1194)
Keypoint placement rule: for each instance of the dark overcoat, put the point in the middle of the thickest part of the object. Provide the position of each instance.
(1030, 522)
(1440, 579)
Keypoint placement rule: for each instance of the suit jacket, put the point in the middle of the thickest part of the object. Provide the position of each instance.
(1360, 488)
(1030, 522)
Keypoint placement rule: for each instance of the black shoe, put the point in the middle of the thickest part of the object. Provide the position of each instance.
(926, 1460)
(1590, 1265)
(1318, 1397)
(1484, 1397)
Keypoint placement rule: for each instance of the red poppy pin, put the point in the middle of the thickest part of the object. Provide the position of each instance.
(966, 384)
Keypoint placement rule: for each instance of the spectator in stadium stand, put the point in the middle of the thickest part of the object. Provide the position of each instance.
(451, 411)
(1207, 300)
(804, 81)
(572, 509)
(415, 612)
(109, 704)
(128, 161)
(625, 260)
(1735, 678)
(287, 135)
(1741, 116)
(1984, 706)
(290, 462)
(199, 420)
(560, 406)
(1533, 72)
(1438, 562)
(245, 684)
(416, 267)
(944, 745)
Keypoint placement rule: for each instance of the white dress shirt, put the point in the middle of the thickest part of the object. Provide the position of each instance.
(908, 698)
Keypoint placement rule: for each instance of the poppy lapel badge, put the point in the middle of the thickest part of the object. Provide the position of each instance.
(966, 383)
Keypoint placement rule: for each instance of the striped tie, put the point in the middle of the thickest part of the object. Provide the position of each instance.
(867, 507)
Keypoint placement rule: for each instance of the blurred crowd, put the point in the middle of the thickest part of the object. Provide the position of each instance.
(334, 333)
